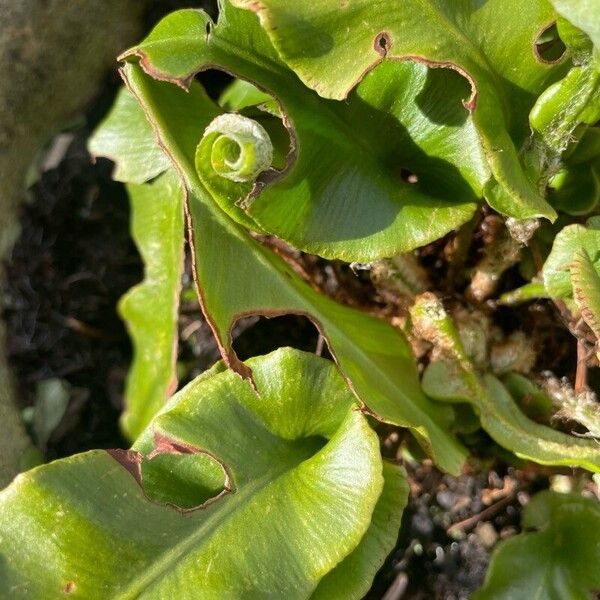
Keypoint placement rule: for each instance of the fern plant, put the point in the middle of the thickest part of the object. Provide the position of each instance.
(358, 131)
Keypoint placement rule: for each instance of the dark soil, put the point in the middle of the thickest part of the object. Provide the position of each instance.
(68, 270)
(448, 531)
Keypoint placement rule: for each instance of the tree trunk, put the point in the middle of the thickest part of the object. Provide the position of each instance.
(54, 56)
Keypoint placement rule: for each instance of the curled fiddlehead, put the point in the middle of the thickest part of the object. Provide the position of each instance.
(232, 153)
(238, 148)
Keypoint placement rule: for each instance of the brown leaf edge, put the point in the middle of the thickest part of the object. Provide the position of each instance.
(227, 352)
(131, 461)
(587, 313)
(382, 45)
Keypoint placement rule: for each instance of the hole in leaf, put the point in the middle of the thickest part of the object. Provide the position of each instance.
(214, 81)
(182, 477)
(408, 176)
(382, 43)
(548, 47)
(268, 334)
(241, 96)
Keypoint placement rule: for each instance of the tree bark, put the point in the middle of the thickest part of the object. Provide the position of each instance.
(54, 56)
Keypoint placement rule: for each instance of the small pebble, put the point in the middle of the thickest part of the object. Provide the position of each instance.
(486, 533)
(446, 499)
(561, 483)
(495, 481)
(422, 525)
(457, 534)
(465, 502)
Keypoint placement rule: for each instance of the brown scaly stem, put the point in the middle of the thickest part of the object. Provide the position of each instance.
(581, 371)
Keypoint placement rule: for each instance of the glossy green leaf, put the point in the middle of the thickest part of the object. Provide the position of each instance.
(583, 14)
(575, 189)
(303, 498)
(353, 577)
(137, 157)
(240, 94)
(557, 268)
(237, 276)
(563, 112)
(493, 48)
(557, 561)
(342, 194)
(151, 308)
(453, 378)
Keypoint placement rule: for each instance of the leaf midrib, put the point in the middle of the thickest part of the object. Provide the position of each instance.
(222, 510)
